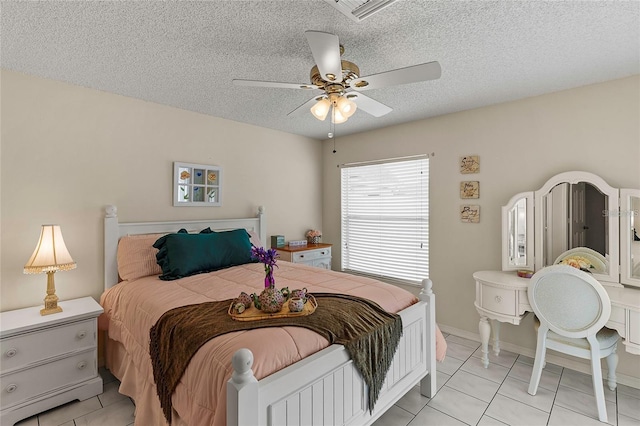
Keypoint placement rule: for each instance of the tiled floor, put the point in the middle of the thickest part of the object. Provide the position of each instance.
(468, 395)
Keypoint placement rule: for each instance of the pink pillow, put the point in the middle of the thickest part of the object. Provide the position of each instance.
(137, 256)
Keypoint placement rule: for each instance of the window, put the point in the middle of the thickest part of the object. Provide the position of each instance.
(385, 219)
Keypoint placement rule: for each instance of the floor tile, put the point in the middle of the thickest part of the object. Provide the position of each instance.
(490, 421)
(29, 421)
(522, 371)
(118, 413)
(456, 350)
(70, 411)
(458, 405)
(449, 366)
(583, 403)
(629, 406)
(516, 389)
(110, 394)
(462, 341)
(431, 416)
(505, 359)
(473, 385)
(628, 390)
(394, 416)
(413, 401)
(106, 375)
(561, 416)
(513, 412)
(495, 373)
(583, 382)
(626, 421)
(552, 368)
(442, 379)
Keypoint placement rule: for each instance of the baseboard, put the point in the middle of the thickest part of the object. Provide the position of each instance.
(573, 364)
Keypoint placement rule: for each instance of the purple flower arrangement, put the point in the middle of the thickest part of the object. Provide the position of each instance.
(269, 258)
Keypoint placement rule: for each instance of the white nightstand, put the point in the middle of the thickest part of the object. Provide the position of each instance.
(318, 255)
(46, 361)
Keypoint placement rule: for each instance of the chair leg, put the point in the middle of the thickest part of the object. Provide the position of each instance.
(596, 373)
(538, 363)
(612, 364)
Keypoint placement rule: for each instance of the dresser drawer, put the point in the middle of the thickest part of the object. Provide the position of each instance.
(308, 255)
(30, 383)
(499, 300)
(22, 350)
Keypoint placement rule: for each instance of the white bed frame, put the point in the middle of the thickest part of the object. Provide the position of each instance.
(322, 389)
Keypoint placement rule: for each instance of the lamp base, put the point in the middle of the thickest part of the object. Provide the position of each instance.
(49, 311)
(50, 300)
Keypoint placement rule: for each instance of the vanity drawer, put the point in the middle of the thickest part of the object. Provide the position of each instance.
(499, 300)
(25, 384)
(309, 255)
(27, 348)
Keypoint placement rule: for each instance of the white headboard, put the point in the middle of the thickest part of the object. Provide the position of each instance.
(113, 230)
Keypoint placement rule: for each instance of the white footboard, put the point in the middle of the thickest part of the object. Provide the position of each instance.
(326, 388)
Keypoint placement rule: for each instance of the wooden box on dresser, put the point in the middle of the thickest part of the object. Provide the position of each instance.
(318, 255)
(46, 361)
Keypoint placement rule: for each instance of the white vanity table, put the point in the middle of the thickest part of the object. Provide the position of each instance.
(573, 209)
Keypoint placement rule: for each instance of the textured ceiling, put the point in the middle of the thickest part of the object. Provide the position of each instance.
(185, 54)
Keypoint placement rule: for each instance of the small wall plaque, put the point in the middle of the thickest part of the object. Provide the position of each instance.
(470, 189)
(470, 213)
(469, 164)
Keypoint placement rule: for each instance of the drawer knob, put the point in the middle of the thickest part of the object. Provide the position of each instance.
(11, 388)
(10, 353)
(301, 256)
(498, 299)
(81, 334)
(81, 365)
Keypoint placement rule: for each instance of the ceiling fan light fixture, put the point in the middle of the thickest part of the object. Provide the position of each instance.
(337, 117)
(346, 106)
(321, 108)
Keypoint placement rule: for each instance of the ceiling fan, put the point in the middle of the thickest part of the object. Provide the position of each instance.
(341, 82)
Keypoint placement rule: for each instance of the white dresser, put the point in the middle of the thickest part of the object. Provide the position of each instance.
(318, 255)
(46, 361)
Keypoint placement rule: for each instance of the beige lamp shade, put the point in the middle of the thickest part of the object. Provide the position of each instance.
(50, 254)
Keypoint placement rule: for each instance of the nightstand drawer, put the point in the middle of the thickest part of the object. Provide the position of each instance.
(308, 255)
(499, 300)
(27, 384)
(38, 346)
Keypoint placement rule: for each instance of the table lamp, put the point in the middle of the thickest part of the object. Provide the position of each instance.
(50, 255)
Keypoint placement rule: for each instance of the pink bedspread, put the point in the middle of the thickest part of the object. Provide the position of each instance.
(131, 308)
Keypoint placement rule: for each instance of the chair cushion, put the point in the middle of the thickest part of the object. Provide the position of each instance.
(606, 337)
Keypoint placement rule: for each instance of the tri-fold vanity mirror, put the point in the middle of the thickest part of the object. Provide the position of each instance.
(575, 214)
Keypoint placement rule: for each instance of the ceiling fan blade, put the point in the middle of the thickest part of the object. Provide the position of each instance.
(276, 84)
(305, 107)
(368, 105)
(412, 74)
(325, 48)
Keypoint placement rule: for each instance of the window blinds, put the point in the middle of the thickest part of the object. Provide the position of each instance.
(385, 219)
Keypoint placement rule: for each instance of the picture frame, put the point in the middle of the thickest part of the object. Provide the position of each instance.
(470, 213)
(470, 164)
(470, 189)
(196, 185)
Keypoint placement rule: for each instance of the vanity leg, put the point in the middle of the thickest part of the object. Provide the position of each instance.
(495, 327)
(612, 364)
(485, 332)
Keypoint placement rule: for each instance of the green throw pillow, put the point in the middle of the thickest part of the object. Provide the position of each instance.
(183, 254)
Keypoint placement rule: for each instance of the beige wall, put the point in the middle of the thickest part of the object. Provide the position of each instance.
(68, 151)
(521, 145)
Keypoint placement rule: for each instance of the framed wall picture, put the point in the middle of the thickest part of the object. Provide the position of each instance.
(470, 213)
(196, 185)
(469, 164)
(470, 189)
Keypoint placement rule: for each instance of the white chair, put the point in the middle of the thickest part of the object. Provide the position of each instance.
(572, 308)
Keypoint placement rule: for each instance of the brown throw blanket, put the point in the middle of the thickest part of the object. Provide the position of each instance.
(369, 333)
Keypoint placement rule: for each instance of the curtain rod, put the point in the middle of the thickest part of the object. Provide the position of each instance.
(387, 160)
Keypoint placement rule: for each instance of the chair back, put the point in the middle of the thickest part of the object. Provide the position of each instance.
(569, 301)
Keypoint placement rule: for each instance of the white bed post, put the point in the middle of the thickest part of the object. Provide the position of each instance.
(242, 391)
(263, 224)
(110, 246)
(428, 385)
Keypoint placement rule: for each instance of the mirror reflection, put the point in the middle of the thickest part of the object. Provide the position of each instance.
(517, 233)
(575, 224)
(635, 236)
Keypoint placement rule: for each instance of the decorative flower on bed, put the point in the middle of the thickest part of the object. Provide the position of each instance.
(269, 258)
(578, 262)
